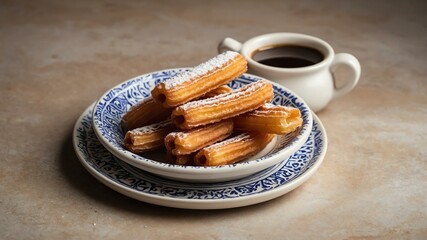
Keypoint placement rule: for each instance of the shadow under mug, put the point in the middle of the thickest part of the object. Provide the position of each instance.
(315, 84)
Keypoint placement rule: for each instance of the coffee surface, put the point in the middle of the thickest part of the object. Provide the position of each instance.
(287, 56)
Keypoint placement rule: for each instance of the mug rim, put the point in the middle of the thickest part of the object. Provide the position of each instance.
(248, 49)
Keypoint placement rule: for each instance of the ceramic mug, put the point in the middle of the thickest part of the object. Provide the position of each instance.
(315, 83)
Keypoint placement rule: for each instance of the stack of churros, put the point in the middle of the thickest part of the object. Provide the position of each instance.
(201, 121)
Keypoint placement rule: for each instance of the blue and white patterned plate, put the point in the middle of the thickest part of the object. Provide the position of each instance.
(133, 182)
(110, 108)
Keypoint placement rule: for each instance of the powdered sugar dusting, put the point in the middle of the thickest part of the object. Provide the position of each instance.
(226, 97)
(178, 134)
(201, 69)
(238, 138)
(151, 128)
(269, 108)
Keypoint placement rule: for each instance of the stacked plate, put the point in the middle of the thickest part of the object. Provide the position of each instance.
(283, 165)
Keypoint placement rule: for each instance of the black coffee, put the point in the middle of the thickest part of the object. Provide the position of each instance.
(287, 56)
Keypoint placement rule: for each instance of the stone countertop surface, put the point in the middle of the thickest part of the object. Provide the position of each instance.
(58, 57)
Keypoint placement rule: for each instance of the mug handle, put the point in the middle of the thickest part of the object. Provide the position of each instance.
(229, 44)
(353, 64)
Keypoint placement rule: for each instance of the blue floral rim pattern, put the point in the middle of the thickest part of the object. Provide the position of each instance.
(115, 103)
(99, 159)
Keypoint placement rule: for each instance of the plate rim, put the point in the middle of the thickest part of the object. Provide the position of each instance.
(202, 203)
(186, 169)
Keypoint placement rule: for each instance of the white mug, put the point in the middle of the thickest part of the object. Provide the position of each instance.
(315, 83)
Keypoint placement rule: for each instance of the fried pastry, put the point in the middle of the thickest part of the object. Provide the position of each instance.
(144, 113)
(223, 106)
(269, 118)
(233, 150)
(201, 79)
(179, 159)
(186, 142)
(149, 137)
(149, 111)
(217, 91)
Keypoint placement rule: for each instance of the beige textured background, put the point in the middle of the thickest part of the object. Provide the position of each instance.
(57, 57)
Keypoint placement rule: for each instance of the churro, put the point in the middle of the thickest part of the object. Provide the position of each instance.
(144, 113)
(217, 91)
(149, 137)
(233, 150)
(179, 159)
(269, 118)
(223, 106)
(186, 142)
(201, 79)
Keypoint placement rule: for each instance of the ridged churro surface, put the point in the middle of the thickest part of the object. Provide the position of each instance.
(223, 106)
(182, 143)
(144, 113)
(148, 137)
(217, 91)
(233, 150)
(179, 159)
(200, 80)
(270, 118)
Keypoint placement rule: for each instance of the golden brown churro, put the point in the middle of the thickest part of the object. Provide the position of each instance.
(206, 111)
(269, 118)
(144, 113)
(182, 143)
(223, 106)
(217, 91)
(233, 150)
(201, 79)
(149, 137)
(179, 159)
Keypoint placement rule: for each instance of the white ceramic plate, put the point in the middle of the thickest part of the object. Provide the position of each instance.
(133, 182)
(110, 108)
